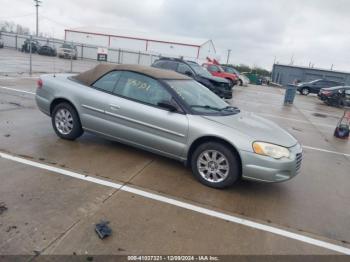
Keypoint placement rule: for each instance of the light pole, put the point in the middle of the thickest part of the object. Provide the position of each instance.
(228, 55)
(37, 4)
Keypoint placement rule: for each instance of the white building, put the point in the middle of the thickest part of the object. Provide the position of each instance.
(165, 45)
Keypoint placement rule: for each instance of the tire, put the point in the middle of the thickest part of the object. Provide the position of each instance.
(69, 127)
(305, 91)
(240, 82)
(230, 161)
(230, 82)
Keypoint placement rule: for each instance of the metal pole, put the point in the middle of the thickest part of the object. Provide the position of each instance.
(71, 60)
(228, 55)
(37, 4)
(30, 55)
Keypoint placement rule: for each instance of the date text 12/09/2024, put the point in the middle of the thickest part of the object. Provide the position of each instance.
(173, 258)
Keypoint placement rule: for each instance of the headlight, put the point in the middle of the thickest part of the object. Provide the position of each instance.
(270, 150)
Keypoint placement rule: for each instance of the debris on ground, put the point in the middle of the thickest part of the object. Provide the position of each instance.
(7, 135)
(103, 230)
(10, 228)
(3, 207)
(319, 115)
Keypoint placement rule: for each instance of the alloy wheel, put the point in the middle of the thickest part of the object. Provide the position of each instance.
(213, 166)
(64, 121)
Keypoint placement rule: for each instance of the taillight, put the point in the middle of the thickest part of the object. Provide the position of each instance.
(327, 93)
(39, 83)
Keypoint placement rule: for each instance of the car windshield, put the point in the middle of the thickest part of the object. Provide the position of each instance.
(200, 99)
(200, 70)
(230, 70)
(335, 88)
(315, 81)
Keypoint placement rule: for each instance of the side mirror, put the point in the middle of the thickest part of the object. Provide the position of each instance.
(168, 106)
(189, 73)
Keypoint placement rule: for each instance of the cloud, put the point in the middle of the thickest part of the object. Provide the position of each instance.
(257, 31)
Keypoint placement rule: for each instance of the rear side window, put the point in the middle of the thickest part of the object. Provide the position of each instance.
(141, 88)
(108, 81)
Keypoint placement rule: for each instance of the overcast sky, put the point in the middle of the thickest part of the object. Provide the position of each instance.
(257, 31)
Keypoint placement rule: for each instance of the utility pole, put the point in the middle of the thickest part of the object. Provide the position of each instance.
(37, 4)
(228, 55)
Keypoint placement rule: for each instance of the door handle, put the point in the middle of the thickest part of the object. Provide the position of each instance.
(114, 107)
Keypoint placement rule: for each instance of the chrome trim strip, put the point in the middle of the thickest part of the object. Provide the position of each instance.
(93, 109)
(144, 124)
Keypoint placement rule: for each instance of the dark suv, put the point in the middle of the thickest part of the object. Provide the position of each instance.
(316, 85)
(219, 86)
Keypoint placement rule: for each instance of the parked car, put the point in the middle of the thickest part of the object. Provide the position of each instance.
(68, 51)
(218, 71)
(242, 79)
(172, 115)
(335, 96)
(219, 86)
(26, 46)
(316, 85)
(1, 43)
(47, 50)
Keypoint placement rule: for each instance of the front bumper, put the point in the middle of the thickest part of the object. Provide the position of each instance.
(66, 55)
(266, 169)
(227, 94)
(322, 97)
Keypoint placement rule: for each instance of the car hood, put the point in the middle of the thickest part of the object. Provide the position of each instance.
(258, 128)
(214, 78)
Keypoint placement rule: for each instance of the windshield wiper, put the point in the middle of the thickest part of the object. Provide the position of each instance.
(231, 108)
(206, 107)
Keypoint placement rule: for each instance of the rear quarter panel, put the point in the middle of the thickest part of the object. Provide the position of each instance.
(58, 86)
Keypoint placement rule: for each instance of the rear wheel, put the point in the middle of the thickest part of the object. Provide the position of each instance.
(66, 122)
(305, 91)
(215, 165)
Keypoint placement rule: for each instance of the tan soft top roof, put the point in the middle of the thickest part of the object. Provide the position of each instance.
(89, 77)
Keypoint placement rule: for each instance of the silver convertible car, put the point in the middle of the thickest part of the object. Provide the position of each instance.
(172, 115)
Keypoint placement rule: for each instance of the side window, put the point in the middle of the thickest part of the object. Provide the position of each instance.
(170, 66)
(108, 81)
(320, 83)
(141, 88)
(347, 92)
(159, 64)
(183, 69)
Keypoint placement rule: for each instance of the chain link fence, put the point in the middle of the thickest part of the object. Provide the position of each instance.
(31, 62)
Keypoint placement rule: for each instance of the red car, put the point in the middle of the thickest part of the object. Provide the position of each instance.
(217, 70)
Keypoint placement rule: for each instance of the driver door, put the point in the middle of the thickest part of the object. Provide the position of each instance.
(135, 117)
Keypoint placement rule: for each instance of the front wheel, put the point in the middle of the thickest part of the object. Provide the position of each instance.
(230, 81)
(305, 91)
(215, 165)
(66, 122)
